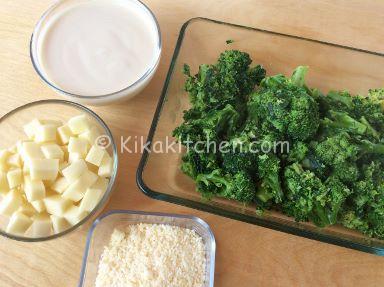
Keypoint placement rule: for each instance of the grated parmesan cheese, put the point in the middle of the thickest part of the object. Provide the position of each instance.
(153, 255)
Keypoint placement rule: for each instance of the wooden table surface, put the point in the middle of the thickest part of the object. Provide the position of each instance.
(247, 255)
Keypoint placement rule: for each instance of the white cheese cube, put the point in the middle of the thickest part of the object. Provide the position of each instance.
(91, 135)
(79, 124)
(101, 183)
(30, 150)
(74, 215)
(64, 148)
(74, 170)
(59, 224)
(91, 199)
(41, 226)
(14, 160)
(56, 123)
(27, 209)
(52, 151)
(78, 145)
(72, 157)
(60, 185)
(15, 177)
(4, 187)
(10, 203)
(95, 155)
(63, 165)
(77, 189)
(56, 205)
(34, 189)
(31, 128)
(18, 223)
(44, 169)
(64, 134)
(4, 155)
(45, 133)
(13, 149)
(38, 205)
(106, 167)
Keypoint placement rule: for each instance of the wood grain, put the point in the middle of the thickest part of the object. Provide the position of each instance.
(247, 255)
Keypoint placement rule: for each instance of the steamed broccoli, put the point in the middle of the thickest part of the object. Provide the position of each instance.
(332, 171)
(285, 104)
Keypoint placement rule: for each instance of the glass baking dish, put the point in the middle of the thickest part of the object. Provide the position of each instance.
(101, 231)
(201, 41)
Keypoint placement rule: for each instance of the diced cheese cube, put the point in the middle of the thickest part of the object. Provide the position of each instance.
(93, 168)
(10, 203)
(106, 167)
(63, 165)
(74, 215)
(52, 151)
(14, 160)
(60, 185)
(64, 134)
(15, 177)
(31, 128)
(41, 226)
(78, 145)
(101, 183)
(56, 205)
(72, 157)
(79, 124)
(77, 189)
(45, 133)
(64, 148)
(4, 155)
(75, 170)
(59, 224)
(95, 155)
(30, 150)
(34, 189)
(18, 223)
(13, 149)
(91, 199)
(27, 209)
(4, 187)
(56, 123)
(38, 205)
(44, 169)
(91, 135)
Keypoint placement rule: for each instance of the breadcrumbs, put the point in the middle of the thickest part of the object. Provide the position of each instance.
(153, 255)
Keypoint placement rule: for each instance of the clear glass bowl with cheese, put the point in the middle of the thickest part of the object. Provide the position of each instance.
(58, 164)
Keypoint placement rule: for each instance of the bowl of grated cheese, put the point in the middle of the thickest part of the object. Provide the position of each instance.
(133, 248)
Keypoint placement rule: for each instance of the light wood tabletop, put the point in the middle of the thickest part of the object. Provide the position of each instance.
(247, 255)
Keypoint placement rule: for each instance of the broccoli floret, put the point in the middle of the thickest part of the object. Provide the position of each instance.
(268, 172)
(310, 199)
(194, 163)
(212, 127)
(297, 152)
(336, 149)
(227, 82)
(286, 105)
(239, 187)
(238, 161)
(302, 188)
(347, 172)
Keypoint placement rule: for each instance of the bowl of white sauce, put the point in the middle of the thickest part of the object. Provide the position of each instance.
(96, 51)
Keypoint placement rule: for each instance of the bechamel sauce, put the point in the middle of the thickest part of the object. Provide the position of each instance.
(98, 47)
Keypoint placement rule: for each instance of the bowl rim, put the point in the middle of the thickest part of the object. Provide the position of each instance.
(146, 75)
(295, 230)
(109, 213)
(112, 180)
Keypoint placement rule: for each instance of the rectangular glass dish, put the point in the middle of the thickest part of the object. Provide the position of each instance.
(101, 231)
(331, 67)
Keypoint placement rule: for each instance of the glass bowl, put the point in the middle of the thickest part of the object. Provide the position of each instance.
(130, 91)
(101, 231)
(201, 41)
(11, 129)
